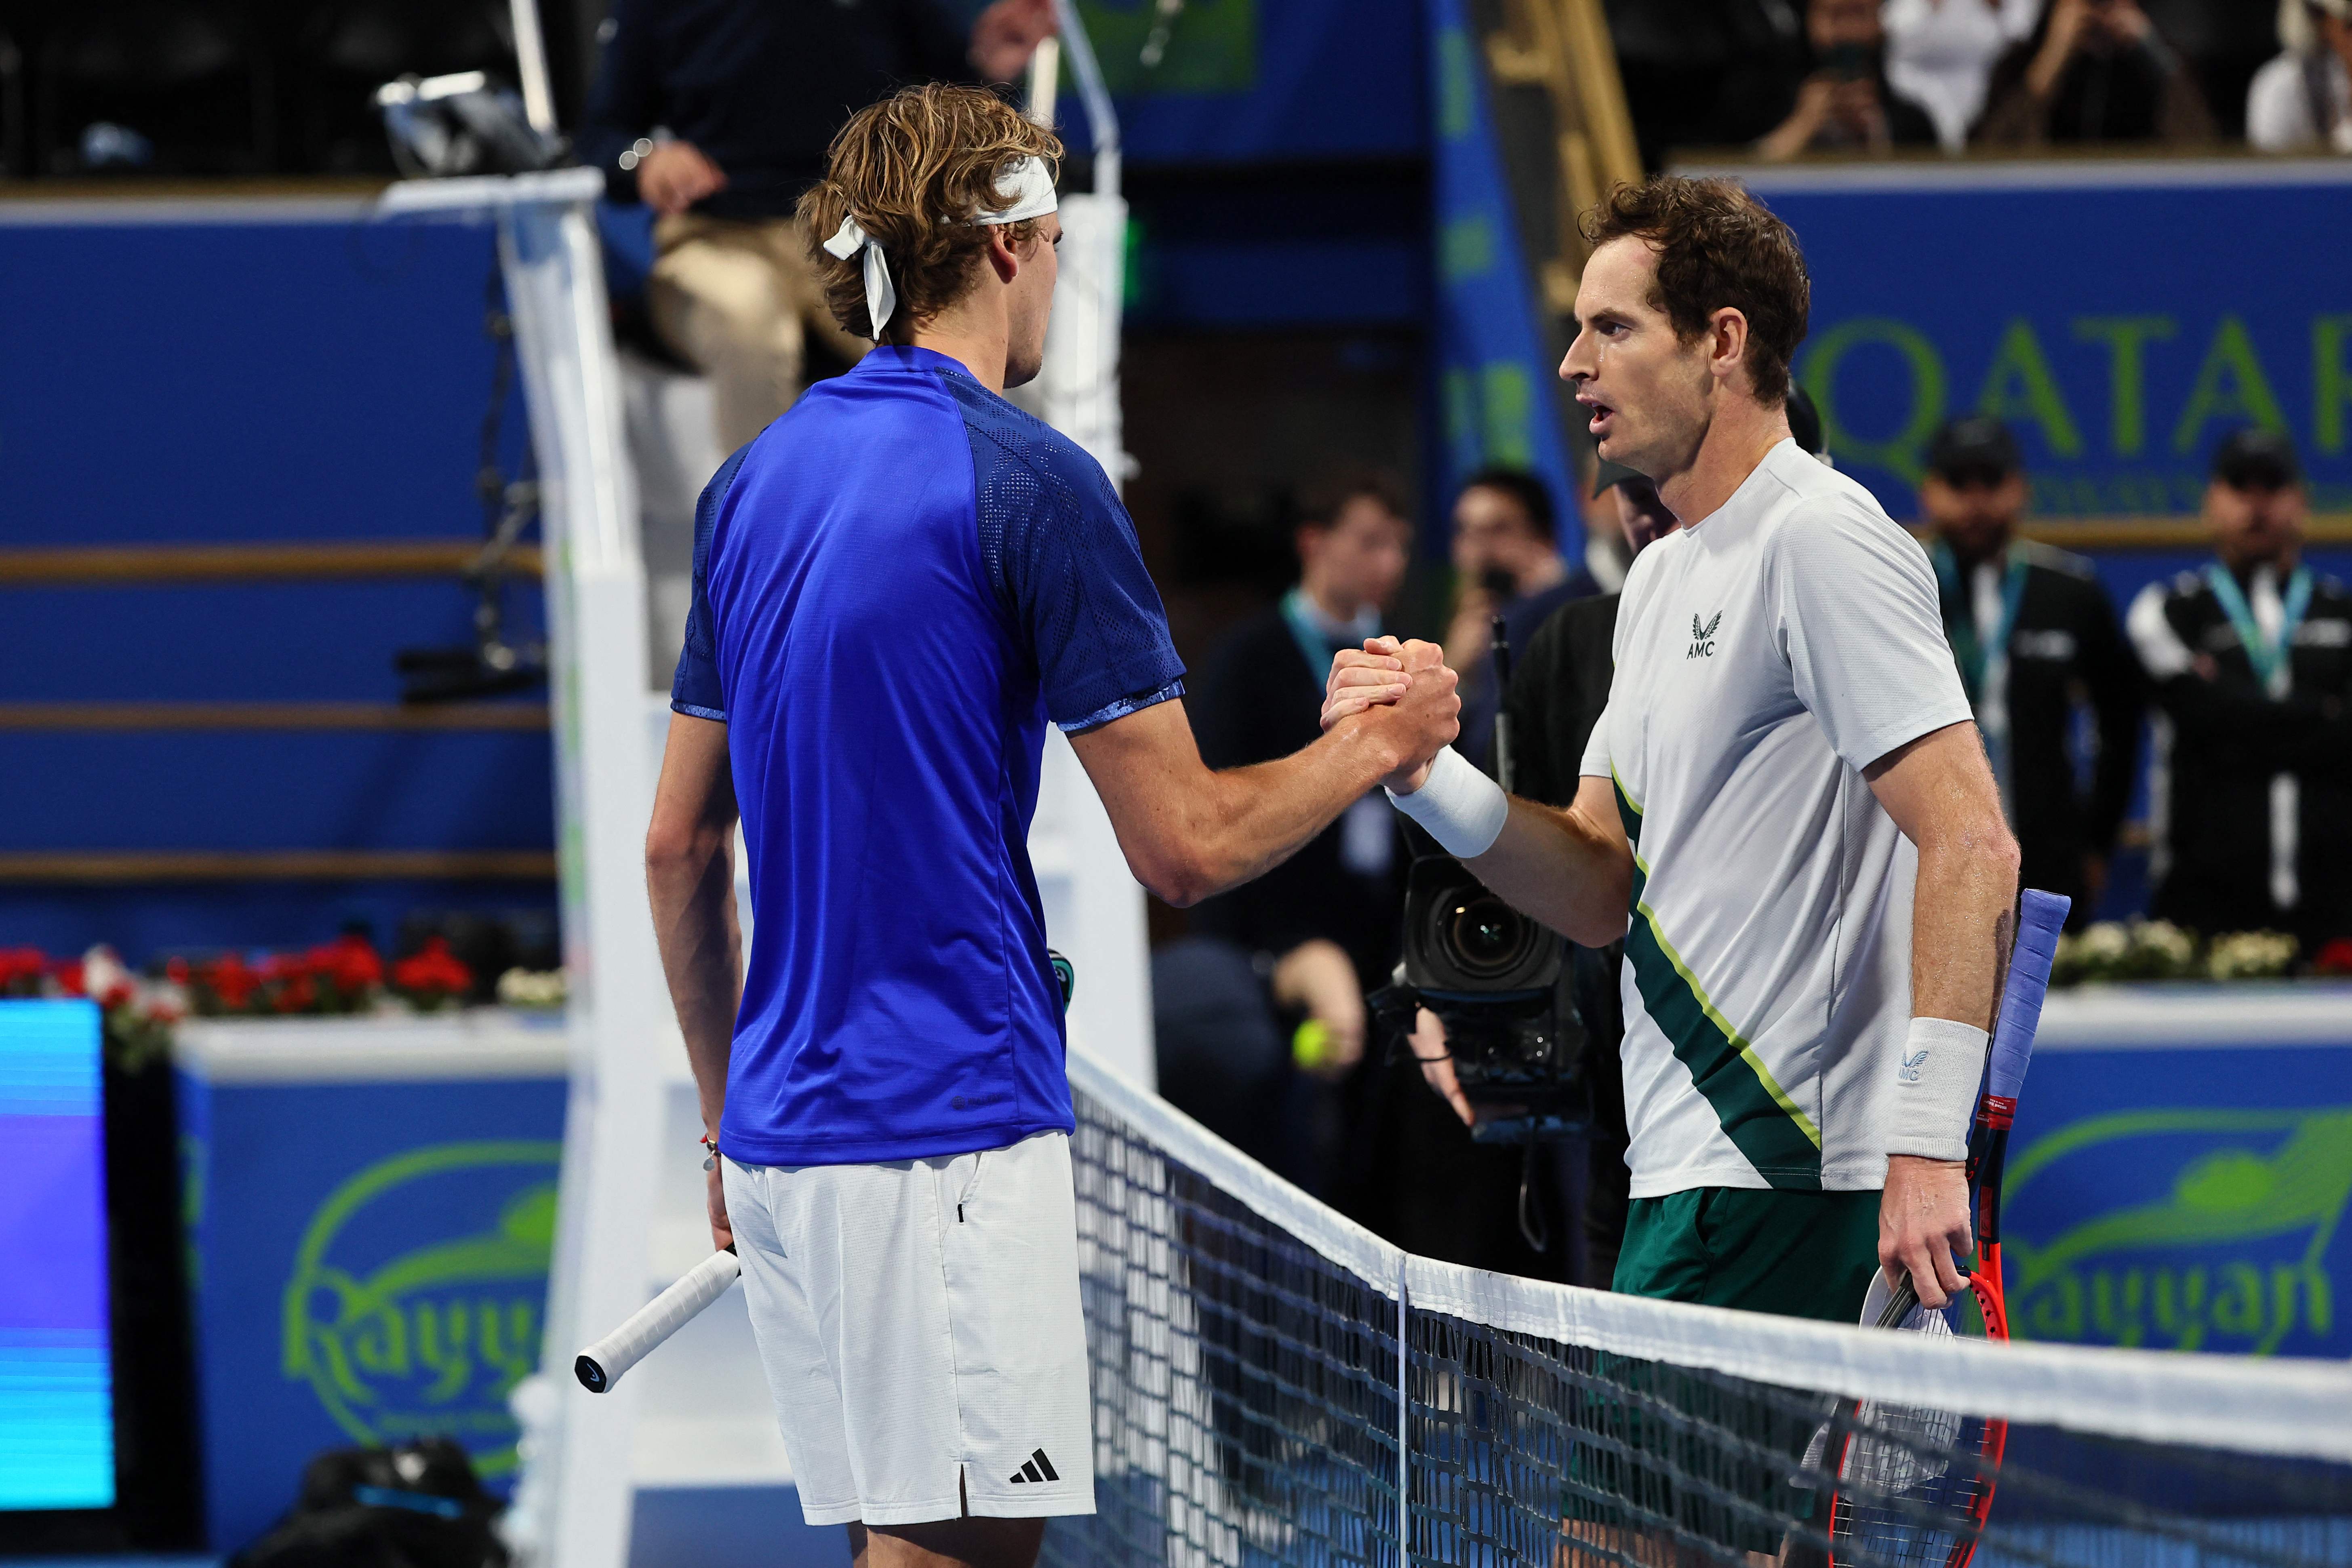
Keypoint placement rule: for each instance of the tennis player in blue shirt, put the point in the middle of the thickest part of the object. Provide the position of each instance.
(896, 586)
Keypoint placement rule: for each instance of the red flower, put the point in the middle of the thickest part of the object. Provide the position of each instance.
(21, 968)
(176, 970)
(2335, 957)
(69, 976)
(432, 972)
(297, 992)
(351, 963)
(229, 978)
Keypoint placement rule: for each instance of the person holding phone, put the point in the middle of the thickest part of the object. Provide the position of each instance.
(1847, 104)
(2094, 70)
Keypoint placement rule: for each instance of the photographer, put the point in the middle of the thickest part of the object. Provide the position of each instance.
(1507, 563)
(1559, 684)
(1847, 103)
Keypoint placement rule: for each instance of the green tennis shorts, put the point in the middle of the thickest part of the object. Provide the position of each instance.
(1661, 1452)
(1799, 1254)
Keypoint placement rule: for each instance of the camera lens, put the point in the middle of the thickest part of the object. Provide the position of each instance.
(1488, 937)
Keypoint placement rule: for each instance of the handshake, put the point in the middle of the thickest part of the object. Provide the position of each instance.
(1404, 692)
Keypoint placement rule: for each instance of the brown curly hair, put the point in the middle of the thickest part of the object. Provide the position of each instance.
(914, 169)
(1717, 246)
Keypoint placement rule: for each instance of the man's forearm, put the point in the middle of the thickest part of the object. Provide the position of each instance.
(1965, 889)
(1562, 867)
(1252, 819)
(695, 924)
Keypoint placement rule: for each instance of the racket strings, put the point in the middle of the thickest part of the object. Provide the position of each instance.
(1911, 1485)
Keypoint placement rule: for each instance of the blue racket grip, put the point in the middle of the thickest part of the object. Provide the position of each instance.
(2041, 917)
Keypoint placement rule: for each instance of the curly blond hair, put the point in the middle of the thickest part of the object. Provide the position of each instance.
(914, 169)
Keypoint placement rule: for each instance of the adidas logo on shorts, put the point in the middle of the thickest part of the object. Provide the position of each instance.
(1039, 1469)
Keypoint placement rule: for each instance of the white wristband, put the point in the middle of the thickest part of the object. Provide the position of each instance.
(1462, 808)
(1935, 1081)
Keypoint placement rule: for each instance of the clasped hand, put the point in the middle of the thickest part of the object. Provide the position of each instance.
(1410, 676)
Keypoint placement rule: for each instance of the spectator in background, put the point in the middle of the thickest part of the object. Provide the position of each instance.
(1322, 927)
(1940, 55)
(1845, 103)
(2031, 627)
(1706, 73)
(1507, 562)
(717, 114)
(2252, 659)
(2094, 70)
(2302, 102)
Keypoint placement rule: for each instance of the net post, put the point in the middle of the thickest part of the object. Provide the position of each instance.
(1404, 1414)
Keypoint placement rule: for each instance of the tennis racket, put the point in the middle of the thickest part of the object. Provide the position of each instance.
(600, 1366)
(1914, 1486)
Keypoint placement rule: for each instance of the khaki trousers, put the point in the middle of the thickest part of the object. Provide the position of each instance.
(736, 300)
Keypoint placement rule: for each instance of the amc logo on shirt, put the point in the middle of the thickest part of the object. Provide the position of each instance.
(1703, 638)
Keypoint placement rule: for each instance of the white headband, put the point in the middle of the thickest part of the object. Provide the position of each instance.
(1033, 196)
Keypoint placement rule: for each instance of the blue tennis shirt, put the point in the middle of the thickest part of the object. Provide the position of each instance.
(895, 586)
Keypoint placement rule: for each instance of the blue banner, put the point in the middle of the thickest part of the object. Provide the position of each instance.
(2122, 319)
(2184, 1198)
(1495, 383)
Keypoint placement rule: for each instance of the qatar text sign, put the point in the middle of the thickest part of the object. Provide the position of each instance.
(2122, 317)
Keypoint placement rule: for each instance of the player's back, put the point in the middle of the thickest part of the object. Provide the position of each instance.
(885, 721)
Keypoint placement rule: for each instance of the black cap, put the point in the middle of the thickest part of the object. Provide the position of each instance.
(1607, 474)
(2255, 459)
(1974, 445)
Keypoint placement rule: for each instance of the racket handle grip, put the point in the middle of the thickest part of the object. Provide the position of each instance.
(600, 1366)
(2041, 917)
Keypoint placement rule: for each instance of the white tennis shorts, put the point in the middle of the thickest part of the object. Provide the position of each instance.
(919, 1322)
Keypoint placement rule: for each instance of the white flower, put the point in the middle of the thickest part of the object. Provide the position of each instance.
(2251, 955)
(2166, 939)
(531, 988)
(2106, 943)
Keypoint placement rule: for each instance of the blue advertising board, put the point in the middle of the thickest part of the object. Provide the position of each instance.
(56, 1408)
(2122, 317)
(369, 1258)
(2175, 1192)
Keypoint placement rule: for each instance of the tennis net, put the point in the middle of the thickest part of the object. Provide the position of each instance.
(1274, 1384)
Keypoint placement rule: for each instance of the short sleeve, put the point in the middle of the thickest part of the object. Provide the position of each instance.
(1859, 624)
(1597, 765)
(1065, 558)
(695, 690)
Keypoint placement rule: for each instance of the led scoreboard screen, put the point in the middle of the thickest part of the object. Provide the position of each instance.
(56, 1414)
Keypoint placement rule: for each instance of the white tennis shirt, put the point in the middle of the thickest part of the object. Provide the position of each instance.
(1764, 656)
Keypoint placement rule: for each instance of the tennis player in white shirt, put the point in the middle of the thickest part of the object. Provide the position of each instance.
(1786, 795)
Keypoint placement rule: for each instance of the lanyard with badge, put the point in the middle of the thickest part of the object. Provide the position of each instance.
(2273, 661)
(1367, 836)
(1984, 662)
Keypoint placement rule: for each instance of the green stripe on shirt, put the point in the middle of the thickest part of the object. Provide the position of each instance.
(1755, 1113)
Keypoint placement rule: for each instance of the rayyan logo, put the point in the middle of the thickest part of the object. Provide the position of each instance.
(404, 1336)
(2232, 1256)
(1703, 638)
